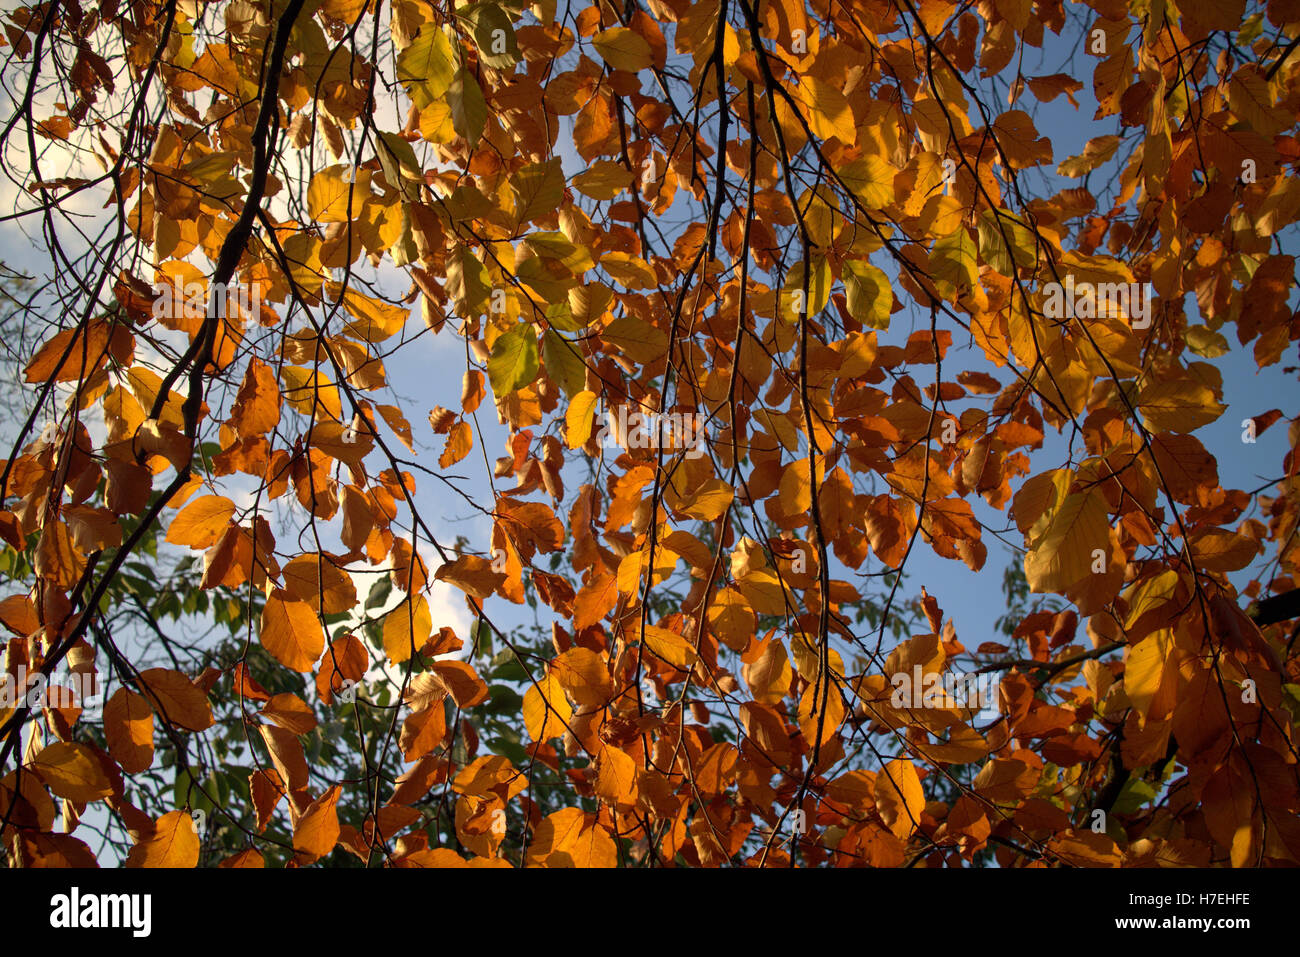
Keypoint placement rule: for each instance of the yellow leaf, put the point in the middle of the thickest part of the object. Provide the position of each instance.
(731, 619)
(311, 393)
(616, 778)
(579, 418)
(473, 575)
(407, 628)
(818, 709)
(871, 180)
(1144, 669)
(623, 49)
(1063, 554)
(709, 501)
(546, 711)
(769, 674)
(315, 579)
(669, 646)
(376, 320)
(763, 590)
(329, 194)
(603, 180)
(426, 67)
(583, 674)
(827, 110)
(1178, 405)
(569, 838)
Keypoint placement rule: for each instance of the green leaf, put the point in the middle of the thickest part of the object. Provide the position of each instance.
(560, 316)
(513, 362)
(538, 189)
(494, 35)
(509, 749)
(468, 108)
(379, 592)
(870, 298)
(993, 227)
(563, 363)
(401, 168)
(468, 282)
(818, 289)
(1135, 793)
(952, 263)
(1205, 342)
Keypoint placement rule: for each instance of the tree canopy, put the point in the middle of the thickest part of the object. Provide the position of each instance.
(763, 313)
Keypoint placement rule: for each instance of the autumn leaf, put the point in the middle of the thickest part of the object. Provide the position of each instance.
(1063, 553)
(899, 797)
(780, 319)
(406, 628)
(669, 646)
(427, 66)
(472, 574)
(545, 709)
(173, 842)
(200, 522)
(72, 771)
(317, 830)
(623, 49)
(579, 419)
(291, 632)
(469, 110)
(175, 698)
(1179, 405)
(128, 726)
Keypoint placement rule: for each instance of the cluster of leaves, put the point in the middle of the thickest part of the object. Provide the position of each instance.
(766, 186)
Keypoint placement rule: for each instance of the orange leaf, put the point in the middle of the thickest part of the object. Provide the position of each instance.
(290, 712)
(461, 681)
(257, 405)
(317, 830)
(173, 843)
(176, 699)
(128, 727)
(291, 631)
(199, 523)
(472, 574)
(72, 771)
(899, 797)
